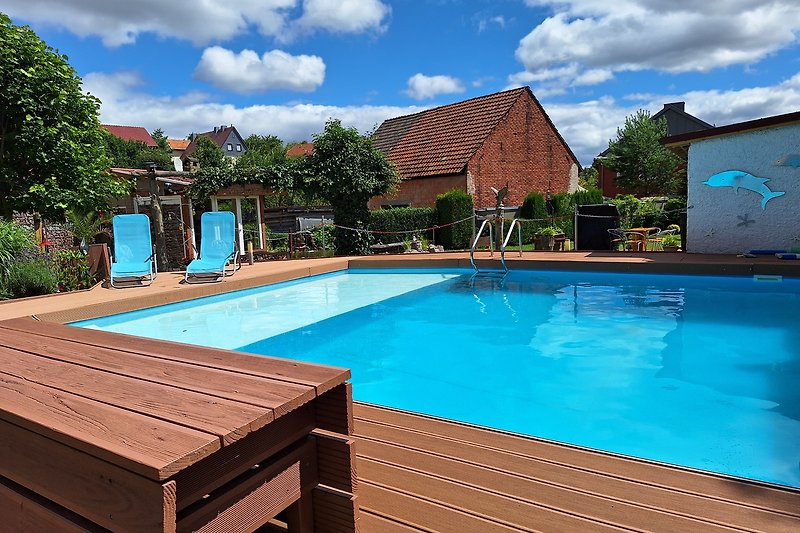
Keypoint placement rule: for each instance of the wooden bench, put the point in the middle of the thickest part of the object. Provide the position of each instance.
(100, 431)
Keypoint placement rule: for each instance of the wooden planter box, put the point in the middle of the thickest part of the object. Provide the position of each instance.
(100, 431)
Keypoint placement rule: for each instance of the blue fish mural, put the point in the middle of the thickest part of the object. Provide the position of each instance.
(789, 160)
(739, 179)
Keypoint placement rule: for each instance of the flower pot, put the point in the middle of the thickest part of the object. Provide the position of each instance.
(670, 248)
(544, 242)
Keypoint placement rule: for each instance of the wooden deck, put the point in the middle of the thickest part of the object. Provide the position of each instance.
(105, 431)
(419, 473)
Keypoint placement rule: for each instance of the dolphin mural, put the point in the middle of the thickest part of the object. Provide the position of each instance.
(739, 179)
(788, 160)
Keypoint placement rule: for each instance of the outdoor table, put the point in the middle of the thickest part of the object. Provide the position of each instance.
(640, 234)
(101, 431)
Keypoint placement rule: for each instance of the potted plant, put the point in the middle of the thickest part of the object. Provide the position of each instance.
(545, 238)
(671, 242)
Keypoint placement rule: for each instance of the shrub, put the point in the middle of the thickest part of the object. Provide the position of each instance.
(549, 230)
(31, 277)
(14, 240)
(72, 270)
(533, 207)
(674, 210)
(323, 236)
(450, 207)
(587, 197)
(401, 219)
(638, 213)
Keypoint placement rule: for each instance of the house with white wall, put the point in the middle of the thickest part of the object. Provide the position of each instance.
(744, 185)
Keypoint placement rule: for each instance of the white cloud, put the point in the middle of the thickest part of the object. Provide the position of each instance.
(485, 23)
(598, 38)
(351, 16)
(587, 126)
(246, 72)
(125, 103)
(421, 87)
(118, 23)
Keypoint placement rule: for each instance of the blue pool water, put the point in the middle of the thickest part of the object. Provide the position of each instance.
(696, 371)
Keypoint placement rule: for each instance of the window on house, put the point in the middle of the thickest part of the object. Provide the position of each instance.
(238, 147)
(230, 147)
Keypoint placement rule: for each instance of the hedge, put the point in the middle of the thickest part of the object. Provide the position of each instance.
(401, 219)
(450, 207)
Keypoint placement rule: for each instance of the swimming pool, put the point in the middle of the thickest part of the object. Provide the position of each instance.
(695, 371)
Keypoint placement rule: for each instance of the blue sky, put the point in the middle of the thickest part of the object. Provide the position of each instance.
(283, 67)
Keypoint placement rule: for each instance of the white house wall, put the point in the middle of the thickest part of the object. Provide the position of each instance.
(723, 221)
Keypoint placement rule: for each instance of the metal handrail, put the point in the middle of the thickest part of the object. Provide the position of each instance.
(475, 243)
(514, 222)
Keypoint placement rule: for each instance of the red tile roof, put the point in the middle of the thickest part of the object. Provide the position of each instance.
(178, 144)
(131, 133)
(442, 140)
(299, 150)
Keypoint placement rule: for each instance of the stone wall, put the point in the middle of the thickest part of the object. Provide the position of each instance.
(56, 233)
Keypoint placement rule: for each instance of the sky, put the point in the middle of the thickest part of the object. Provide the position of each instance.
(284, 67)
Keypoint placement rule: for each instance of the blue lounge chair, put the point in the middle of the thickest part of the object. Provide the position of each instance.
(134, 257)
(217, 248)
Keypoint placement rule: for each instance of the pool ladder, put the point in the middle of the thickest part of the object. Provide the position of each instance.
(487, 224)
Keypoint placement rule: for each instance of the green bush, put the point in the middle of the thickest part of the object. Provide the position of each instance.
(14, 240)
(31, 277)
(533, 207)
(674, 210)
(401, 219)
(635, 213)
(587, 197)
(72, 270)
(323, 236)
(450, 207)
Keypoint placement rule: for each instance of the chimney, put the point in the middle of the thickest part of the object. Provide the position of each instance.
(680, 106)
(222, 127)
(215, 129)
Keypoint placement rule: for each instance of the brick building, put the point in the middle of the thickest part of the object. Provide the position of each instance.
(475, 145)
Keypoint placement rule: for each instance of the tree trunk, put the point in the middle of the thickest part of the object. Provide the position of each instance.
(158, 226)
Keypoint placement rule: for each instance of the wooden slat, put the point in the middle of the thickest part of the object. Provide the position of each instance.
(334, 511)
(250, 501)
(321, 377)
(106, 494)
(736, 490)
(369, 523)
(226, 419)
(427, 515)
(141, 444)
(544, 505)
(24, 510)
(335, 410)
(336, 460)
(520, 476)
(219, 468)
(421, 457)
(262, 392)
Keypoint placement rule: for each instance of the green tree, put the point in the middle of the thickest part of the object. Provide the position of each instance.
(263, 151)
(588, 178)
(347, 171)
(52, 154)
(134, 154)
(161, 140)
(641, 162)
(209, 155)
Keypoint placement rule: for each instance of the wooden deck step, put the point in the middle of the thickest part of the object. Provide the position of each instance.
(529, 484)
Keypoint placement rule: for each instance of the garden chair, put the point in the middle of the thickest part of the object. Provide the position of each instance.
(217, 248)
(658, 238)
(134, 255)
(626, 240)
